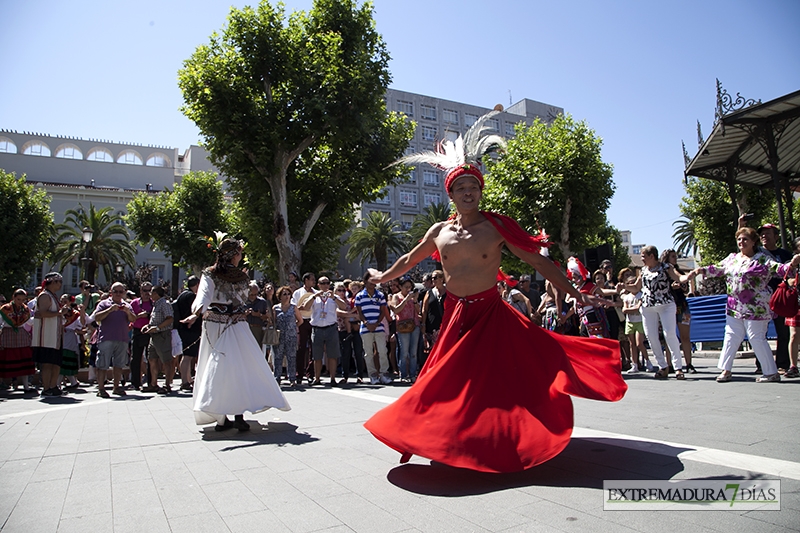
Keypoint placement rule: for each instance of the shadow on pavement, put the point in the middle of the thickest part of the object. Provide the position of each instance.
(583, 463)
(273, 433)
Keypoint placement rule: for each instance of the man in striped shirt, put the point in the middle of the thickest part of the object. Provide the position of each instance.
(371, 306)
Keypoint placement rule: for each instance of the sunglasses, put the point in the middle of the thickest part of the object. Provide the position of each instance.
(324, 282)
(118, 292)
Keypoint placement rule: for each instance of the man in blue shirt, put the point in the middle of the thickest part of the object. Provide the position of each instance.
(371, 306)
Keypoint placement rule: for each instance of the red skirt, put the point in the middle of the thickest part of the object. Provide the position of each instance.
(494, 394)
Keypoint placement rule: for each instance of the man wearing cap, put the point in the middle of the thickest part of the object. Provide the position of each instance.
(769, 245)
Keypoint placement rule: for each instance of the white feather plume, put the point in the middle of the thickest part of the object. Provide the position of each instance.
(469, 149)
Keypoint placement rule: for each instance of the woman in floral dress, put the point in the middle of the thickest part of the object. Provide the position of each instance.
(747, 275)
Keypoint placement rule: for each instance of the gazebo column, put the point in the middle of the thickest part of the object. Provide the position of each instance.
(772, 155)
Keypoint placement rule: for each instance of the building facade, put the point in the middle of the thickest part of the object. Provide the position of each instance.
(75, 172)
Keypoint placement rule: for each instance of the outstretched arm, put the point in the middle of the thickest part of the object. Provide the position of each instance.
(550, 271)
(425, 248)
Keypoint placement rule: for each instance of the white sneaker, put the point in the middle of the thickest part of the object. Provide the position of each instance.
(632, 370)
(774, 378)
(386, 380)
(374, 380)
(650, 366)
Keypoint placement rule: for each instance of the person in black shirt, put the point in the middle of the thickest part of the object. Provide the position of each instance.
(769, 245)
(190, 334)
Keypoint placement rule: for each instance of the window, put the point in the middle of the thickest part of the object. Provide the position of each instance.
(493, 124)
(432, 198)
(409, 150)
(158, 274)
(121, 221)
(470, 119)
(510, 129)
(7, 146)
(451, 136)
(427, 112)
(412, 177)
(430, 178)
(74, 273)
(158, 160)
(408, 198)
(36, 148)
(406, 221)
(406, 108)
(428, 133)
(100, 154)
(449, 116)
(69, 151)
(637, 249)
(129, 157)
(385, 199)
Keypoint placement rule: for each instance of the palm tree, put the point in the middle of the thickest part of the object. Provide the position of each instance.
(431, 215)
(684, 238)
(376, 240)
(102, 250)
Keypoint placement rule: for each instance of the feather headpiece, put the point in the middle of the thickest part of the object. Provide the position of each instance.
(576, 270)
(462, 157)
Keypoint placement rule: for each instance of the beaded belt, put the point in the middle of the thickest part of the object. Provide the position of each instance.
(223, 318)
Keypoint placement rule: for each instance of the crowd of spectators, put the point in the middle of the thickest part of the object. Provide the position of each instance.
(351, 329)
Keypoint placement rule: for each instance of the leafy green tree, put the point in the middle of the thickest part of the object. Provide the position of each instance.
(708, 207)
(552, 176)
(25, 217)
(376, 239)
(432, 214)
(175, 222)
(108, 246)
(297, 106)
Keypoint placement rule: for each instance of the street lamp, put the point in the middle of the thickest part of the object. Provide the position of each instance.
(86, 237)
(120, 267)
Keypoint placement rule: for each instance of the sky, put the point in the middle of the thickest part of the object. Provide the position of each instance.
(639, 73)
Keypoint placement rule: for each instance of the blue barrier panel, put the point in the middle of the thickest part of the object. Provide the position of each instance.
(708, 318)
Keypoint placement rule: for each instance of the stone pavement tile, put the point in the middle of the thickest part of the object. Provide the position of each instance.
(198, 523)
(232, 498)
(314, 484)
(298, 512)
(92, 467)
(533, 527)
(130, 497)
(182, 499)
(257, 521)
(90, 522)
(129, 454)
(39, 507)
(266, 484)
(361, 515)
(567, 519)
(151, 520)
(193, 451)
(783, 519)
(212, 471)
(86, 499)
(280, 461)
(14, 475)
(121, 472)
(54, 467)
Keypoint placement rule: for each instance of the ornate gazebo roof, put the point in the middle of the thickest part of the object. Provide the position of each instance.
(753, 144)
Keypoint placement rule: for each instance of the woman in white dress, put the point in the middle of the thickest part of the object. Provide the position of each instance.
(232, 375)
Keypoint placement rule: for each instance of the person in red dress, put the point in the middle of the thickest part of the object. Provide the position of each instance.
(466, 408)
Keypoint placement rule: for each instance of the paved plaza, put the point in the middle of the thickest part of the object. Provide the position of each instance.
(140, 464)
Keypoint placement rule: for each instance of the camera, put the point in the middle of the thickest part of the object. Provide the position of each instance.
(749, 216)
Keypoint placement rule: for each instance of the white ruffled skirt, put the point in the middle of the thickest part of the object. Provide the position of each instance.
(232, 375)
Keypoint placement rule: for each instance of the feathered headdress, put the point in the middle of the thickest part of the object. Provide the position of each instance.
(462, 157)
(576, 270)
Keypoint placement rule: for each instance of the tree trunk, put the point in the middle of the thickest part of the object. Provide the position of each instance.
(563, 242)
